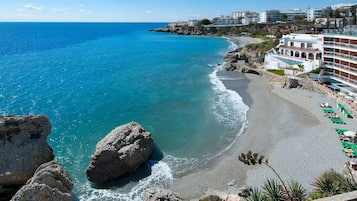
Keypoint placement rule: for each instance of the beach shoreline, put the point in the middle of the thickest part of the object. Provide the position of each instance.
(288, 127)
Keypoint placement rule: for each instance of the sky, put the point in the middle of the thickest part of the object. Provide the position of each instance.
(140, 10)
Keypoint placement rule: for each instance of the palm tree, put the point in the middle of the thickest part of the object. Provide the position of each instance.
(251, 158)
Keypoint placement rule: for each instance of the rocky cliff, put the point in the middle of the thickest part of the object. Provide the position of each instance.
(49, 182)
(23, 148)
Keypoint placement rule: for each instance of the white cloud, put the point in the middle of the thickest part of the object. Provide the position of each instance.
(32, 7)
(85, 11)
(59, 9)
(148, 11)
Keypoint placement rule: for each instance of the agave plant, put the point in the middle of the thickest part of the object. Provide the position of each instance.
(273, 191)
(298, 193)
(328, 183)
(256, 195)
(251, 158)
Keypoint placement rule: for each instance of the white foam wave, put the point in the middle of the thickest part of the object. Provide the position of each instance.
(227, 105)
(229, 109)
(161, 176)
(180, 166)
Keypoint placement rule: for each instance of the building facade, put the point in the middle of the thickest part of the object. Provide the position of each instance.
(313, 13)
(302, 52)
(270, 16)
(292, 15)
(340, 60)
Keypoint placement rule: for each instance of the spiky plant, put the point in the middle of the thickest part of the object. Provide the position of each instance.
(328, 183)
(251, 158)
(273, 191)
(256, 195)
(347, 184)
(298, 193)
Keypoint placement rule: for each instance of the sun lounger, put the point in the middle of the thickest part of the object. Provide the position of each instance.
(349, 153)
(337, 120)
(349, 145)
(328, 110)
(340, 131)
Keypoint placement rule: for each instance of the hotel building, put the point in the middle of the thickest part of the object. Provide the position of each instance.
(340, 60)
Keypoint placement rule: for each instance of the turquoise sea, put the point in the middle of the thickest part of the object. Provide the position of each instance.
(89, 78)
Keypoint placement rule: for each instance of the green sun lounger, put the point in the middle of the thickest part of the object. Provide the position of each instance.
(337, 120)
(340, 131)
(328, 110)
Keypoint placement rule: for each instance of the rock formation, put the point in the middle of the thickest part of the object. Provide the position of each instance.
(50, 182)
(122, 151)
(159, 194)
(23, 148)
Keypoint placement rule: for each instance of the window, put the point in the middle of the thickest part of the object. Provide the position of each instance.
(309, 44)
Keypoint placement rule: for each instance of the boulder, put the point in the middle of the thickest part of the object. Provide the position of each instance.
(23, 148)
(50, 182)
(159, 194)
(122, 151)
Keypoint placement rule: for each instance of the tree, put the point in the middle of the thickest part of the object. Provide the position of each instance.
(251, 158)
(205, 22)
(353, 12)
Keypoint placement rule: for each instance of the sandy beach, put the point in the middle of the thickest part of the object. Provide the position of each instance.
(285, 125)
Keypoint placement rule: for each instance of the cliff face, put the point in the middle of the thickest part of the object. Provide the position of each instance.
(255, 29)
(23, 148)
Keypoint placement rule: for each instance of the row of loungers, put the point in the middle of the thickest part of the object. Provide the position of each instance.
(349, 148)
(330, 113)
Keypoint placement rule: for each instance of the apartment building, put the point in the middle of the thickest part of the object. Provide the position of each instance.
(340, 60)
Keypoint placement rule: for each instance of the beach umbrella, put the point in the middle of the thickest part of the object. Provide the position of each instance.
(349, 134)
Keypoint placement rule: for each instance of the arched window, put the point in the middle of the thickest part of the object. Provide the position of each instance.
(303, 55)
(311, 56)
(291, 53)
(297, 54)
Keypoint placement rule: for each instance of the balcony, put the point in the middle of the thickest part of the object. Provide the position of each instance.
(305, 49)
(341, 78)
(341, 67)
(352, 59)
(345, 45)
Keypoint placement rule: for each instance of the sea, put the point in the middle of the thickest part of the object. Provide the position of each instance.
(89, 78)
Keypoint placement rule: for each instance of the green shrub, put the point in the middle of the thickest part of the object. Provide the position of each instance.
(277, 72)
(317, 70)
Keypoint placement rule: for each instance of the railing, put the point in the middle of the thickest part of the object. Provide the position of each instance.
(345, 67)
(307, 49)
(333, 75)
(340, 44)
(344, 56)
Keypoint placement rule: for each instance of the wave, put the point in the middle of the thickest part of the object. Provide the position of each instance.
(229, 109)
(161, 176)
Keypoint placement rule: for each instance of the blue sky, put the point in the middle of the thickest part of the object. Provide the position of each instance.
(140, 10)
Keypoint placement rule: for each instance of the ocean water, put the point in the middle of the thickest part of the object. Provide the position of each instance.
(89, 78)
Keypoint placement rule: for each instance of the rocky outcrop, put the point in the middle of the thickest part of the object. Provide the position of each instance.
(23, 148)
(50, 182)
(159, 194)
(122, 151)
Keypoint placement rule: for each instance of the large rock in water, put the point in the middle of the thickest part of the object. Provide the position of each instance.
(50, 182)
(122, 151)
(23, 148)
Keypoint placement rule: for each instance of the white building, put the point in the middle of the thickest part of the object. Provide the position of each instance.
(226, 20)
(301, 52)
(246, 17)
(270, 16)
(313, 13)
(292, 14)
(193, 23)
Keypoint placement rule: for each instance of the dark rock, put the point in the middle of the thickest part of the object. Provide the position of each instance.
(23, 148)
(122, 151)
(159, 194)
(50, 182)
